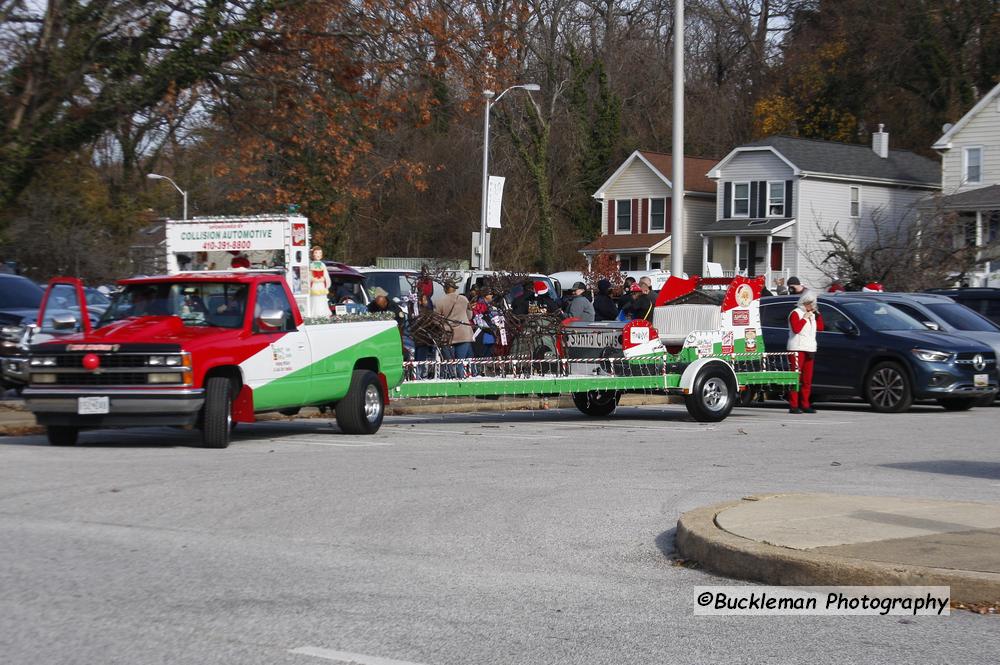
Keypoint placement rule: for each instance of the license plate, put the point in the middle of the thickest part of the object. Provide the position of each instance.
(90, 406)
(981, 380)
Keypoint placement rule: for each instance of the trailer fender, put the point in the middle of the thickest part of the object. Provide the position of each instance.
(691, 372)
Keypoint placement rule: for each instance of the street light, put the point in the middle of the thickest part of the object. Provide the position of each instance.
(488, 94)
(157, 176)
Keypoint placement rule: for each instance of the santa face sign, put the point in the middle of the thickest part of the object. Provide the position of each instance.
(744, 295)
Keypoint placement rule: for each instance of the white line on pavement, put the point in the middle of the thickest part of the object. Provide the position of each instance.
(348, 657)
(337, 445)
(622, 424)
(462, 432)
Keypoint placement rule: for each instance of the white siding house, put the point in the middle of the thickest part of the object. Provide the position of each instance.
(778, 196)
(636, 211)
(970, 182)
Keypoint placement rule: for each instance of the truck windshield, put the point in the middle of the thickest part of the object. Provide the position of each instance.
(217, 304)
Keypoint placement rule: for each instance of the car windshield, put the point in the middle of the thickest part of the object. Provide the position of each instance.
(961, 317)
(20, 293)
(883, 316)
(218, 304)
(394, 283)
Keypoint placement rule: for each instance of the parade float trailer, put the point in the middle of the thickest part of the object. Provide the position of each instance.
(207, 350)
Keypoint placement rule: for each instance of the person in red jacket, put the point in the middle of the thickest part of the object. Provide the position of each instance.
(804, 322)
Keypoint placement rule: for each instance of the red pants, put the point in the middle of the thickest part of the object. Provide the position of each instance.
(800, 398)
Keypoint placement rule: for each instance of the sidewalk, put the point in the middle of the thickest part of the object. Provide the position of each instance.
(827, 539)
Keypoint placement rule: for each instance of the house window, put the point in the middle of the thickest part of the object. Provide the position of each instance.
(973, 165)
(623, 213)
(657, 215)
(741, 199)
(855, 201)
(776, 199)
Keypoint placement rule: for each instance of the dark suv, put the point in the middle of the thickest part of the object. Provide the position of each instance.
(872, 350)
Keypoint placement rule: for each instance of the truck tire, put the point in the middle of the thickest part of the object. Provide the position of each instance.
(958, 403)
(887, 388)
(362, 410)
(713, 394)
(61, 435)
(217, 417)
(597, 403)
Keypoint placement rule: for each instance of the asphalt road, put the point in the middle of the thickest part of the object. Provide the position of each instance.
(540, 537)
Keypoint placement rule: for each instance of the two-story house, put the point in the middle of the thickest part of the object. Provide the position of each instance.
(778, 196)
(970, 181)
(636, 211)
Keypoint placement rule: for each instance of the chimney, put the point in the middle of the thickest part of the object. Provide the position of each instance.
(880, 142)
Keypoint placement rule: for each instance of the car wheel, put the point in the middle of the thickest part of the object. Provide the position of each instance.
(713, 394)
(362, 410)
(597, 403)
(958, 403)
(217, 419)
(62, 435)
(887, 388)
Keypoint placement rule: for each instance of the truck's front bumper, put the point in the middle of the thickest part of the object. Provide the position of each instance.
(136, 407)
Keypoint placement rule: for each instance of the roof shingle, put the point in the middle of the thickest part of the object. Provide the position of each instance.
(848, 159)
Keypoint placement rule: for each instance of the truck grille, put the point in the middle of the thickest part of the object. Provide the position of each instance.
(116, 379)
(108, 360)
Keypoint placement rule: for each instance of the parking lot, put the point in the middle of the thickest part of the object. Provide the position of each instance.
(510, 537)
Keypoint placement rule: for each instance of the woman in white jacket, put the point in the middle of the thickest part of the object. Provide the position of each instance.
(804, 322)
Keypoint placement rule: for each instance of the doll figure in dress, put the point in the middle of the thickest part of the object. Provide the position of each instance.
(319, 285)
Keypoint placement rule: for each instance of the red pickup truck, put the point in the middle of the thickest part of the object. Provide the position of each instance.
(208, 350)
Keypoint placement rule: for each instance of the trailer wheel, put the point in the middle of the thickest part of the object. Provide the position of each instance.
(62, 435)
(713, 394)
(217, 414)
(597, 403)
(362, 410)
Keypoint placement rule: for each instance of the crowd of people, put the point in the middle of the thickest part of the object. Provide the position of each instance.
(477, 321)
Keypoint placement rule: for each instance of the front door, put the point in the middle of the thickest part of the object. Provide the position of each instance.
(841, 359)
(279, 374)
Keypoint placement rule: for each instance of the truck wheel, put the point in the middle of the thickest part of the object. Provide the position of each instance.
(62, 435)
(217, 418)
(888, 388)
(362, 410)
(598, 403)
(958, 403)
(712, 396)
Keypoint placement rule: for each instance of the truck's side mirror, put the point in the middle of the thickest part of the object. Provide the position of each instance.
(271, 319)
(64, 322)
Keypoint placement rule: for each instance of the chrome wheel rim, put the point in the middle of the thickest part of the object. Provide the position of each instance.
(715, 394)
(373, 404)
(887, 387)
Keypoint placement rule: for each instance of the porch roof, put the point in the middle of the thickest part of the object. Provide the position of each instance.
(750, 227)
(630, 242)
(981, 198)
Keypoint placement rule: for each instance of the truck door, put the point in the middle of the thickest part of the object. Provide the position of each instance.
(280, 374)
(64, 299)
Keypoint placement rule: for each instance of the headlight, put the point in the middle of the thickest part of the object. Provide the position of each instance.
(43, 378)
(43, 361)
(165, 377)
(13, 333)
(173, 361)
(931, 356)
(156, 361)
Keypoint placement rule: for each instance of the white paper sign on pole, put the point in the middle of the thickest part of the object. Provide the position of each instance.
(494, 202)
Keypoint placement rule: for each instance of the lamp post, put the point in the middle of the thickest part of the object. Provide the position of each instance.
(157, 176)
(484, 262)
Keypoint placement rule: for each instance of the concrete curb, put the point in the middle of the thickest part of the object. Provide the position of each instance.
(701, 540)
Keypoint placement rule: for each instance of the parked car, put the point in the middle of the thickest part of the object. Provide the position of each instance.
(346, 282)
(939, 312)
(985, 301)
(396, 282)
(873, 351)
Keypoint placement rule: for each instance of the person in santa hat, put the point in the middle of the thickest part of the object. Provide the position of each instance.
(873, 287)
(804, 322)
